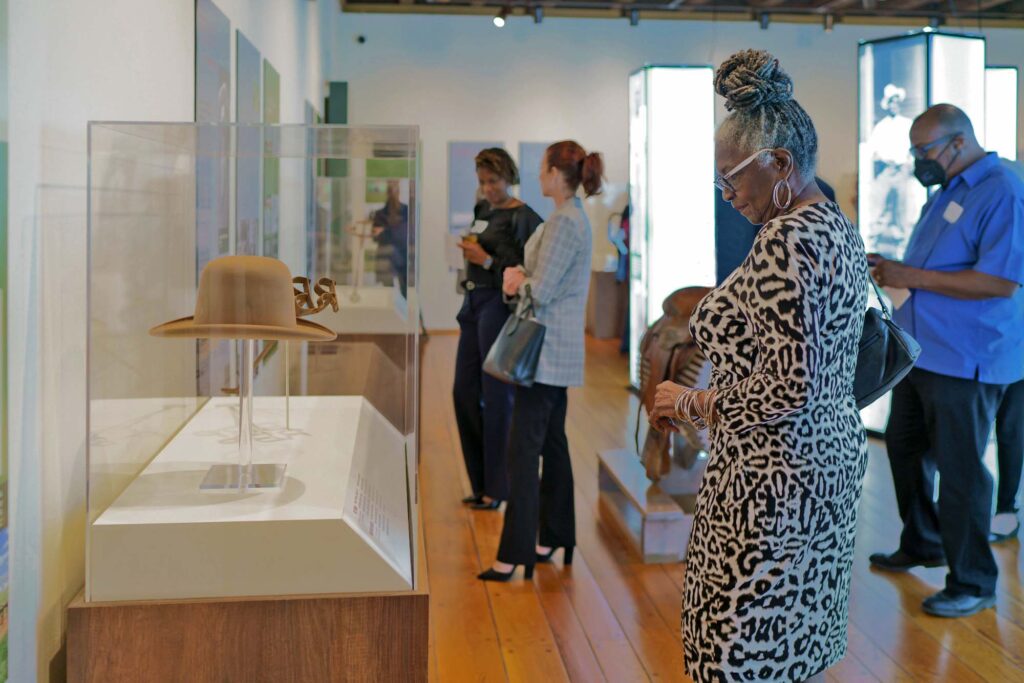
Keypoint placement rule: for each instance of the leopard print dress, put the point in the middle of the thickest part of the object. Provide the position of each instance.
(769, 562)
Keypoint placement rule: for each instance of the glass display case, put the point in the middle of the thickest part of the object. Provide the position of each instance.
(672, 202)
(899, 78)
(252, 398)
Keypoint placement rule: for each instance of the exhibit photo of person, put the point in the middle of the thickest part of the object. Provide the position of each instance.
(483, 404)
(554, 279)
(892, 93)
(786, 324)
(960, 282)
(892, 166)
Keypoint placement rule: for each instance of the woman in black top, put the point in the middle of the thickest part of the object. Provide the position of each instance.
(483, 404)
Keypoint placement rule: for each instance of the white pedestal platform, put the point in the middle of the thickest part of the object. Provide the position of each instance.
(658, 518)
(378, 310)
(340, 523)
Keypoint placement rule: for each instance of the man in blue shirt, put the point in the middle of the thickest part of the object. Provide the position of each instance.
(963, 266)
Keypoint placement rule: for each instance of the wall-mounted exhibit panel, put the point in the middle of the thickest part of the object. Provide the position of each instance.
(671, 174)
(318, 495)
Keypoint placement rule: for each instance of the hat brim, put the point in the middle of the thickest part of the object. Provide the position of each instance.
(187, 328)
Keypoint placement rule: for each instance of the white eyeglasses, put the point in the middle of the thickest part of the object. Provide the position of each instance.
(722, 181)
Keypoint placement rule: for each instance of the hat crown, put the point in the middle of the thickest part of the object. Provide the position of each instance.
(246, 290)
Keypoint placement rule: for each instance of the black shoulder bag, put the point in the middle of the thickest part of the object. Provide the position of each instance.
(514, 355)
(887, 353)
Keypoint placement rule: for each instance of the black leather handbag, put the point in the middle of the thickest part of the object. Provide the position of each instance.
(514, 355)
(887, 353)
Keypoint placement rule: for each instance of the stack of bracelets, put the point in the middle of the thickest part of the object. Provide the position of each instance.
(688, 404)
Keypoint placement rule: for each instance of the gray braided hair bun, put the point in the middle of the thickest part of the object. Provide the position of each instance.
(752, 79)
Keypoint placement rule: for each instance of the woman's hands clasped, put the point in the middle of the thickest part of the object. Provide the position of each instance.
(669, 398)
(513, 280)
(664, 413)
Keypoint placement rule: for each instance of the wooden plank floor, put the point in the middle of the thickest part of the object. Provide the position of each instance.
(610, 617)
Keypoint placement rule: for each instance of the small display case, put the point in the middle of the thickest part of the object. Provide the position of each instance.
(194, 490)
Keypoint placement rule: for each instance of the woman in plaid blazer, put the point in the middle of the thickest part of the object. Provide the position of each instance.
(557, 269)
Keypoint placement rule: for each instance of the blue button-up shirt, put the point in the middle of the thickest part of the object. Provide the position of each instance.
(975, 223)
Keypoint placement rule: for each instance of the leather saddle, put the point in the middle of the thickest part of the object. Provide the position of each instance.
(668, 352)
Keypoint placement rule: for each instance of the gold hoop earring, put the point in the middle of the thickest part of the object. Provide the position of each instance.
(782, 206)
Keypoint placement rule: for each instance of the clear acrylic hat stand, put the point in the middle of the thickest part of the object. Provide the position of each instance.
(246, 474)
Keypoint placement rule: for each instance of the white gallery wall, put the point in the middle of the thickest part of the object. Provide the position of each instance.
(460, 78)
(71, 62)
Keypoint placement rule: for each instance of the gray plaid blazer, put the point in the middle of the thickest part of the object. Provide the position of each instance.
(557, 264)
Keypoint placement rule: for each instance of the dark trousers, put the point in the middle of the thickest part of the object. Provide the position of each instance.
(1010, 443)
(538, 429)
(483, 404)
(942, 424)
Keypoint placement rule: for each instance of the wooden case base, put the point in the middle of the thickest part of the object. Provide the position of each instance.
(366, 637)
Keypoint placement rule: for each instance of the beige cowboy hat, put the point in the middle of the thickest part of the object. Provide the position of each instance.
(893, 91)
(245, 297)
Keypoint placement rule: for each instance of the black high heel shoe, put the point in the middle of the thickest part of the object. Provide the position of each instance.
(493, 574)
(493, 505)
(473, 500)
(547, 557)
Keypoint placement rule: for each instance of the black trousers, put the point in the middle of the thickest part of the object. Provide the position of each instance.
(538, 429)
(942, 424)
(1010, 441)
(483, 404)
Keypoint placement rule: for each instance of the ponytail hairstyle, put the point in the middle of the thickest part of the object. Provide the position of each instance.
(576, 166)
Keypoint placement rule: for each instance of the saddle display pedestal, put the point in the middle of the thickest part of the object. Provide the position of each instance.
(656, 517)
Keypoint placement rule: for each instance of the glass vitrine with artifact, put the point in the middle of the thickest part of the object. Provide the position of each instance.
(899, 78)
(672, 201)
(252, 376)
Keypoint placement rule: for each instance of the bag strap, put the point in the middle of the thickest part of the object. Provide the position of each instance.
(636, 434)
(524, 311)
(881, 298)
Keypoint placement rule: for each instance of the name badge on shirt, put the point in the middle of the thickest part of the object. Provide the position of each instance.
(478, 227)
(953, 212)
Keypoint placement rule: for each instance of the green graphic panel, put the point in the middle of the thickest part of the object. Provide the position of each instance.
(271, 165)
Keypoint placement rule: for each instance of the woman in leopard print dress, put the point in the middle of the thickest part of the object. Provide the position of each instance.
(769, 562)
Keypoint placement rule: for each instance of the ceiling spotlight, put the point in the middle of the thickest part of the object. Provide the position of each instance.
(499, 18)
(830, 22)
(765, 20)
(538, 14)
(634, 17)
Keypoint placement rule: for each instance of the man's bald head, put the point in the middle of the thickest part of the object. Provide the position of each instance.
(945, 119)
(961, 148)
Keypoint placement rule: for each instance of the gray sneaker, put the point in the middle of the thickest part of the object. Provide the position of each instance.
(942, 604)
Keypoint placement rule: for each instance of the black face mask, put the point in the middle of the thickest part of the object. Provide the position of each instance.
(929, 172)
